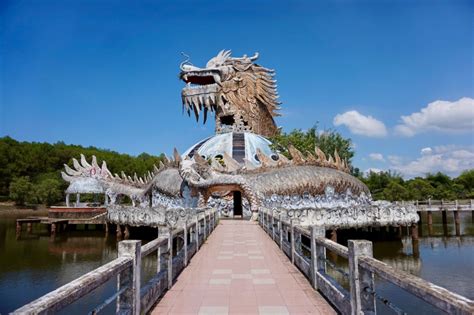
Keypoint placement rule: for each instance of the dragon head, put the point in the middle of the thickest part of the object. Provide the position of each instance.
(241, 93)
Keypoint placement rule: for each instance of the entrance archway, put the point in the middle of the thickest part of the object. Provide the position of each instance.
(238, 204)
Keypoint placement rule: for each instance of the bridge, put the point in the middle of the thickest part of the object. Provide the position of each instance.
(243, 267)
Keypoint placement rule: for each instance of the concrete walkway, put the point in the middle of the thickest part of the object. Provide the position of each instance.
(240, 270)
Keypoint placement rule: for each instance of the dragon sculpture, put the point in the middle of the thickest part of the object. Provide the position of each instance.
(314, 187)
(241, 93)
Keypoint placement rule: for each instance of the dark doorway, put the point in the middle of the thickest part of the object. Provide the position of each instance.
(237, 203)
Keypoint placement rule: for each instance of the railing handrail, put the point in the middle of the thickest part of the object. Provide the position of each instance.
(74, 290)
(362, 268)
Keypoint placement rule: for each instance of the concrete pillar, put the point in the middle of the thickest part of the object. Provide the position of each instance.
(457, 222)
(130, 278)
(170, 258)
(127, 232)
(67, 201)
(185, 244)
(119, 231)
(292, 231)
(362, 302)
(78, 199)
(315, 232)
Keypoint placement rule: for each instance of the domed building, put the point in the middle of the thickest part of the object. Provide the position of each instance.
(242, 147)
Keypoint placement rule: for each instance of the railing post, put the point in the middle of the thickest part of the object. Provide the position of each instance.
(170, 258)
(185, 243)
(280, 234)
(129, 300)
(361, 281)
(197, 232)
(273, 226)
(292, 241)
(316, 231)
(205, 225)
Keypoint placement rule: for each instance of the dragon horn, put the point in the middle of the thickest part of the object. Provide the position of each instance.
(296, 155)
(177, 157)
(230, 163)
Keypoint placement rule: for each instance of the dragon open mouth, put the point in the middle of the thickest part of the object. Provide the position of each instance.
(200, 92)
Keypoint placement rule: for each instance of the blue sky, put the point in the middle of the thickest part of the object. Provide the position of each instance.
(105, 73)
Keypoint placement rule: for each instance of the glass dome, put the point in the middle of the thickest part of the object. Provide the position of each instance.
(237, 145)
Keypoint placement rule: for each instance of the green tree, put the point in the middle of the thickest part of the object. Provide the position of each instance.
(49, 191)
(21, 190)
(395, 191)
(466, 179)
(419, 189)
(306, 141)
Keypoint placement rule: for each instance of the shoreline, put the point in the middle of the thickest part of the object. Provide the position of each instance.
(9, 210)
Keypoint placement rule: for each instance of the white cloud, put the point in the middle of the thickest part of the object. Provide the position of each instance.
(451, 162)
(395, 159)
(441, 116)
(373, 170)
(376, 157)
(426, 151)
(360, 124)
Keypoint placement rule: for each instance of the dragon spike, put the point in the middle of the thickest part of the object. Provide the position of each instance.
(177, 157)
(130, 179)
(135, 178)
(283, 160)
(94, 162)
(141, 181)
(116, 176)
(76, 164)
(230, 163)
(105, 170)
(249, 165)
(331, 161)
(296, 155)
(217, 166)
(320, 154)
(199, 159)
(124, 176)
(162, 165)
(337, 159)
(70, 171)
(155, 169)
(311, 159)
(166, 161)
(84, 161)
(66, 177)
(265, 161)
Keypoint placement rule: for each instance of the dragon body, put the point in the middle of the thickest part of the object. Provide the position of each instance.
(314, 187)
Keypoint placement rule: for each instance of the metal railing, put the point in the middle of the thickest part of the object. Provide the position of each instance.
(130, 296)
(362, 268)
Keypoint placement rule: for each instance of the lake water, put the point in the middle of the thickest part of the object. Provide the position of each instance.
(36, 264)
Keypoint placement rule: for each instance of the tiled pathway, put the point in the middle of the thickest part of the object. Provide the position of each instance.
(240, 270)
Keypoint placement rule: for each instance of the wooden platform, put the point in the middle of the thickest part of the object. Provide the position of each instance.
(240, 270)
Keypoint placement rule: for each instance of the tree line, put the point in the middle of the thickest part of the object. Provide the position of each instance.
(30, 171)
(386, 185)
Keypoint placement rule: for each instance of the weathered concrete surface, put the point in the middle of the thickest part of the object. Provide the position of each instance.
(240, 270)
